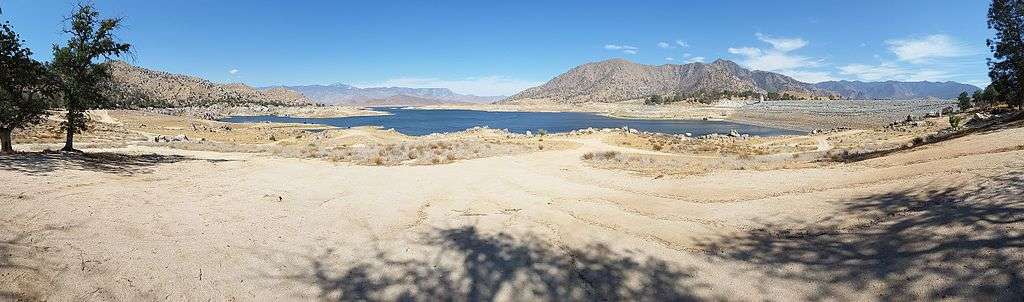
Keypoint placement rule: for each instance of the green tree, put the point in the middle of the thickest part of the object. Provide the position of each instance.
(655, 100)
(79, 74)
(990, 95)
(978, 98)
(964, 101)
(22, 85)
(1006, 68)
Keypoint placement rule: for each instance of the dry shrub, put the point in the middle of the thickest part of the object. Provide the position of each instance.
(676, 165)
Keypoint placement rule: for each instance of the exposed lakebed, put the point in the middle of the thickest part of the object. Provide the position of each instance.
(422, 122)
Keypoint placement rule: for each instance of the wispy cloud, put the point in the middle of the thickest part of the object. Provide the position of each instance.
(777, 57)
(809, 76)
(782, 44)
(233, 71)
(935, 57)
(482, 86)
(745, 51)
(626, 49)
(665, 45)
(670, 59)
(618, 47)
(682, 43)
(695, 60)
(892, 71)
(924, 49)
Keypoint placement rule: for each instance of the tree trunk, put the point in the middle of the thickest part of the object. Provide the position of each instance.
(5, 140)
(69, 143)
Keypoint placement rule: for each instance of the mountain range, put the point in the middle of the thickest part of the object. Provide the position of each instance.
(619, 80)
(896, 90)
(341, 94)
(606, 81)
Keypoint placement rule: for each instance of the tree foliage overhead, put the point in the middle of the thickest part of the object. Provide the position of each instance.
(1006, 68)
(76, 66)
(23, 82)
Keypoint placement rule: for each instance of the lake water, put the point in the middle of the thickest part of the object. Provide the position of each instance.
(422, 122)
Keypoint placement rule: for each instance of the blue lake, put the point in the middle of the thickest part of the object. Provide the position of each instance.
(422, 122)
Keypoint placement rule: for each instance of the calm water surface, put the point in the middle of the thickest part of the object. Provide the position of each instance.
(423, 122)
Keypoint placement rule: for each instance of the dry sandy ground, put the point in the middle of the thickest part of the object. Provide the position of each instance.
(943, 220)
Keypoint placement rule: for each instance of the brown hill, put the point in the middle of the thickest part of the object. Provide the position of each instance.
(135, 86)
(620, 80)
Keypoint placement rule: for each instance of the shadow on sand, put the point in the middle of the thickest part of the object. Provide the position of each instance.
(477, 267)
(22, 272)
(114, 163)
(957, 242)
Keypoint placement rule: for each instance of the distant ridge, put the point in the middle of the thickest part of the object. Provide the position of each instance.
(619, 80)
(136, 86)
(896, 90)
(342, 94)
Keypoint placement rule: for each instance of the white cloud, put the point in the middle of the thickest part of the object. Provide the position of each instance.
(771, 60)
(626, 49)
(619, 47)
(667, 45)
(809, 76)
(777, 57)
(695, 60)
(745, 51)
(670, 59)
(783, 44)
(891, 71)
(872, 72)
(921, 50)
(482, 86)
(233, 71)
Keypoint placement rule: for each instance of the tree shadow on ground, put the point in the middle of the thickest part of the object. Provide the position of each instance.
(22, 276)
(472, 266)
(965, 242)
(37, 163)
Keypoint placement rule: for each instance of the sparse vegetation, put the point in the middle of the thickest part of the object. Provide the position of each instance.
(955, 121)
(656, 165)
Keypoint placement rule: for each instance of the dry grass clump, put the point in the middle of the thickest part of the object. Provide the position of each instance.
(434, 152)
(411, 151)
(682, 145)
(660, 165)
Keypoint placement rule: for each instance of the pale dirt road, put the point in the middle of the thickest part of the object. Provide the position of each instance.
(945, 220)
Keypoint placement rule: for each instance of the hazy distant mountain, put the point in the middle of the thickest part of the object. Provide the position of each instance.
(620, 80)
(384, 96)
(896, 90)
(143, 87)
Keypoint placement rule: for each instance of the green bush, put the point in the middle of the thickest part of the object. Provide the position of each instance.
(954, 121)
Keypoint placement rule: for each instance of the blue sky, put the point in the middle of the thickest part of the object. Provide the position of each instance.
(499, 47)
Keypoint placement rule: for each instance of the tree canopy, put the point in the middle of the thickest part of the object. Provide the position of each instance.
(75, 64)
(22, 85)
(1006, 68)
